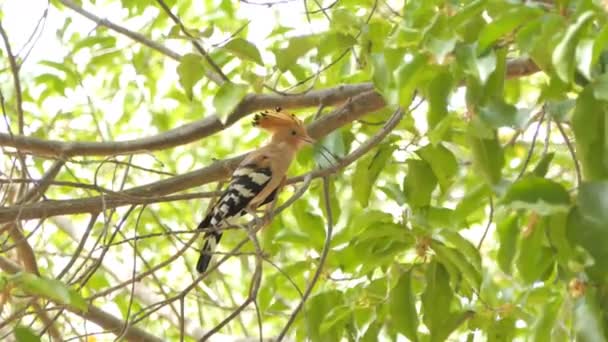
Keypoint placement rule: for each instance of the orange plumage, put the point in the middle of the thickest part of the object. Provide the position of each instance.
(258, 177)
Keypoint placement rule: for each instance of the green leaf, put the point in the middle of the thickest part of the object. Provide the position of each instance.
(600, 87)
(480, 67)
(563, 55)
(408, 76)
(228, 97)
(372, 333)
(419, 183)
(541, 169)
(437, 94)
(442, 161)
(25, 334)
(359, 222)
(588, 123)
(583, 56)
(244, 50)
(505, 23)
(547, 320)
(591, 235)
(472, 202)
(381, 76)
(297, 47)
(48, 288)
(334, 143)
(458, 259)
(588, 321)
(367, 172)
(190, 70)
(403, 307)
(436, 298)
(310, 223)
(533, 258)
(593, 201)
(560, 110)
(453, 322)
(334, 202)
(344, 20)
(541, 195)
(336, 42)
(601, 40)
(497, 113)
(503, 329)
(334, 319)
(508, 232)
(317, 308)
(488, 157)
(463, 245)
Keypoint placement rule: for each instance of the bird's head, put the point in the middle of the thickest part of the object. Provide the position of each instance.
(285, 127)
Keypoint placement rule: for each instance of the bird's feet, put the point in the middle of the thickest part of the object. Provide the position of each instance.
(259, 221)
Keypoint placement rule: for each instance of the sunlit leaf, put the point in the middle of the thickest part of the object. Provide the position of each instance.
(24, 334)
(368, 170)
(563, 55)
(244, 49)
(190, 70)
(419, 183)
(228, 97)
(538, 194)
(403, 307)
(48, 288)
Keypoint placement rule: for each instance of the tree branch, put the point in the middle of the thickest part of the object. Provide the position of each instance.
(196, 44)
(187, 133)
(136, 36)
(15, 72)
(149, 193)
(94, 314)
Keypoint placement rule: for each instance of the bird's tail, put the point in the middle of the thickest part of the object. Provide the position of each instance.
(212, 239)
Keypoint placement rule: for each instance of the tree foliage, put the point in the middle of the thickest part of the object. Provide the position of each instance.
(457, 190)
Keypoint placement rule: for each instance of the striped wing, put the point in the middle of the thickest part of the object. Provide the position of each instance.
(247, 181)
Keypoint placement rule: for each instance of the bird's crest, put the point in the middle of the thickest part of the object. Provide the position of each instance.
(273, 119)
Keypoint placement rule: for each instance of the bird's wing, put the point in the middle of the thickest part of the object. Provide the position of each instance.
(249, 180)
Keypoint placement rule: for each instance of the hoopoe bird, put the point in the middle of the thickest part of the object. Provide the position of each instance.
(257, 179)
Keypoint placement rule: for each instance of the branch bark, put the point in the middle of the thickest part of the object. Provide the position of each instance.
(149, 193)
(94, 314)
(187, 133)
(212, 124)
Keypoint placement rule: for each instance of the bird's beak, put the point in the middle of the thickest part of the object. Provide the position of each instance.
(307, 139)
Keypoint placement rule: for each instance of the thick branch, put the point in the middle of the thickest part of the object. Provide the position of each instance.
(203, 128)
(185, 134)
(94, 314)
(352, 110)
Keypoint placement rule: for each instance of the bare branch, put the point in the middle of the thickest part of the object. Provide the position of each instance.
(196, 44)
(136, 36)
(324, 253)
(212, 124)
(94, 314)
(15, 72)
(150, 193)
(187, 133)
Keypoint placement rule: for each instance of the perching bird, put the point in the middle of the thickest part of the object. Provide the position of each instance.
(258, 177)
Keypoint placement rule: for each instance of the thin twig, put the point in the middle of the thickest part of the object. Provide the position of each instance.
(195, 42)
(532, 144)
(324, 253)
(490, 219)
(15, 71)
(577, 166)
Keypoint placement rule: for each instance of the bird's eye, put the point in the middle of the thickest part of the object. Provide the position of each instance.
(293, 132)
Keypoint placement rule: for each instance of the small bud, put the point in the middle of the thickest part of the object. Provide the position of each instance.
(577, 288)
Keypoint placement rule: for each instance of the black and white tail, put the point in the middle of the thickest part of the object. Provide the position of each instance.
(211, 242)
(247, 181)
